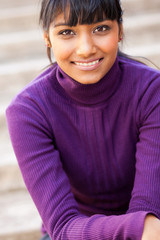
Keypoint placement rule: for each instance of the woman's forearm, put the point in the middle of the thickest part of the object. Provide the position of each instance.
(151, 228)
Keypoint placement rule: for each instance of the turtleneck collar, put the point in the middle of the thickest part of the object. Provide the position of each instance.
(90, 93)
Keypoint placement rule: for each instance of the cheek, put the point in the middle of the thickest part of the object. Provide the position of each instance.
(61, 50)
(110, 44)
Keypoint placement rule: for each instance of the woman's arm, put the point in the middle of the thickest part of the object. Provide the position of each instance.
(146, 190)
(151, 228)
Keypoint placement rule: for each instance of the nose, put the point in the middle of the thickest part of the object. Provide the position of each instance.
(85, 46)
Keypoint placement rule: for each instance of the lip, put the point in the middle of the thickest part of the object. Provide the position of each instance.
(88, 65)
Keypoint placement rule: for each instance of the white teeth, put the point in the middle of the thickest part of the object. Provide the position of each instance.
(87, 64)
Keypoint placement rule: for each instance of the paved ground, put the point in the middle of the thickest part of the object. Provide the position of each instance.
(18, 217)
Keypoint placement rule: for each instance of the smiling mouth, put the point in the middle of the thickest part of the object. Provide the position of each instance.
(88, 64)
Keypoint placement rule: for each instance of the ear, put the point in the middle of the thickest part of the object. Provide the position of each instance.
(46, 39)
(121, 32)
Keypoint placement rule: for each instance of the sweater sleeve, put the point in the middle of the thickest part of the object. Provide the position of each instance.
(49, 186)
(146, 191)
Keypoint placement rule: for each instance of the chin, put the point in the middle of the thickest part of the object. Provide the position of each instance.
(87, 81)
(90, 79)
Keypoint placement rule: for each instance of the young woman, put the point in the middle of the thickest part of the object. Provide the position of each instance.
(86, 132)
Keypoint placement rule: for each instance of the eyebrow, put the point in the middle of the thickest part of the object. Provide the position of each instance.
(66, 24)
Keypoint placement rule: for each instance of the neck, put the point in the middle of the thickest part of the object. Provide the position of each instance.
(90, 94)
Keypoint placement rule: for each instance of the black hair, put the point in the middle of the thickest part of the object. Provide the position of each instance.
(80, 11)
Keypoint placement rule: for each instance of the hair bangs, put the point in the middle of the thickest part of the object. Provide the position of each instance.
(89, 11)
(80, 11)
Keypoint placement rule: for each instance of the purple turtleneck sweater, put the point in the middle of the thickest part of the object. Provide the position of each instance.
(90, 154)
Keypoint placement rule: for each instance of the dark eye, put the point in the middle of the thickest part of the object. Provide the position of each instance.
(66, 32)
(102, 28)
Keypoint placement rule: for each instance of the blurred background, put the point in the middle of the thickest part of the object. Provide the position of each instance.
(22, 58)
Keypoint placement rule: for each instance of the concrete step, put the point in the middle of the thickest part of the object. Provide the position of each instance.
(142, 22)
(19, 219)
(152, 53)
(31, 235)
(142, 36)
(7, 4)
(22, 45)
(19, 18)
(139, 6)
(10, 177)
(23, 66)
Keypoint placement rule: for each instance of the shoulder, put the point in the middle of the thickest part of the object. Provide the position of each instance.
(145, 84)
(140, 86)
(135, 68)
(36, 89)
(31, 106)
(138, 75)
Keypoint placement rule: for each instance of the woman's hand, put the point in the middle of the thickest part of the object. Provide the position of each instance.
(151, 228)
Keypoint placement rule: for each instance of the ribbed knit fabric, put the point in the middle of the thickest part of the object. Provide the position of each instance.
(90, 154)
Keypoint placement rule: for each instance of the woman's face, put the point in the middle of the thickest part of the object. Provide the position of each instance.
(84, 52)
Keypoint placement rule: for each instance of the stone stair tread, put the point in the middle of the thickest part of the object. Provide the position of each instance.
(21, 45)
(152, 53)
(143, 50)
(18, 214)
(8, 158)
(18, 24)
(19, 18)
(10, 177)
(11, 68)
(31, 235)
(21, 36)
(18, 11)
(16, 3)
(142, 21)
(139, 6)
